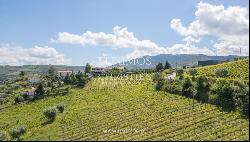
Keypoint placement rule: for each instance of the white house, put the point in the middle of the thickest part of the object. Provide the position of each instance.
(172, 76)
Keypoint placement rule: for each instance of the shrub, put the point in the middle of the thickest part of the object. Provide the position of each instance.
(3, 136)
(174, 87)
(241, 96)
(17, 132)
(159, 67)
(192, 72)
(60, 107)
(225, 94)
(213, 99)
(157, 77)
(180, 72)
(221, 72)
(187, 88)
(39, 92)
(202, 87)
(19, 99)
(50, 113)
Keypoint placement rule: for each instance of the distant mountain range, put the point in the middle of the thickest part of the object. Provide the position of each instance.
(145, 62)
(178, 60)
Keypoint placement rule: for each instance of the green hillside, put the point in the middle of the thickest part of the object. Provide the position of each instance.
(236, 69)
(110, 110)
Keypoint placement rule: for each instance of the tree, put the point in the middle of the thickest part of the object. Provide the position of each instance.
(51, 71)
(22, 73)
(17, 132)
(67, 80)
(187, 88)
(81, 79)
(60, 107)
(87, 68)
(221, 72)
(167, 65)
(39, 92)
(180, 72)
(73, 80)
(192, 72)
(202, 88)
(225, 95)
(50, 113)
(159, 67)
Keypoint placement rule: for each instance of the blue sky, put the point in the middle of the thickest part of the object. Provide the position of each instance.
(29, 23)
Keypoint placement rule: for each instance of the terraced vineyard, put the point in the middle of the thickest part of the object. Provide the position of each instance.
(118, 109)
(236, 69)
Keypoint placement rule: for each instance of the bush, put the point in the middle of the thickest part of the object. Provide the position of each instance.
(159, 67)
(192, 72)
(187, 88)
(222, 72)
(202, 87)
(3, 136)
(19, 99)
(60, 107)
(180, 72)
(213, 99)
(159, 85)
(17, 132)
(225, 94)
(39, 92)
(50, 113)
(174, 87)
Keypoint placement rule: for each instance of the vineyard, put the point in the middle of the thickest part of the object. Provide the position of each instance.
(114, 108)
(236, 69)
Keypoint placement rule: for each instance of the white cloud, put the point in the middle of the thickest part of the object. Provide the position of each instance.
(13, 55)
(229, 25)
(122, 38)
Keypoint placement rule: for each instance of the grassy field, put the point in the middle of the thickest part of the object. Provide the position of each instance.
(109, 110)
(236, 69)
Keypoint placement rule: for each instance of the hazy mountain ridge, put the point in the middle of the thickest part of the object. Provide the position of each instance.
(175, 60)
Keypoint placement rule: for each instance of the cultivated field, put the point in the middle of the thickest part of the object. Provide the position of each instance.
(109, 109)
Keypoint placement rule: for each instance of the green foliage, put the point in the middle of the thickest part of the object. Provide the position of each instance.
(60, 108)
(221, 72)
(167, 65)
(180, 72)
(241, 96)
(67, 80)
(51, 71)
(39, 92)
(22, 73)
(159, 67)
(50, 113)
(202, 87)
(19, 99)
(81, 79)
(17, 132)
(174, 87)
(87, 68)
(188, 88)
(192, 72)
(225, 92)
(3, 136)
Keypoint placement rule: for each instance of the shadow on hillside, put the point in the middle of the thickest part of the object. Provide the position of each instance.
(47, 122)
